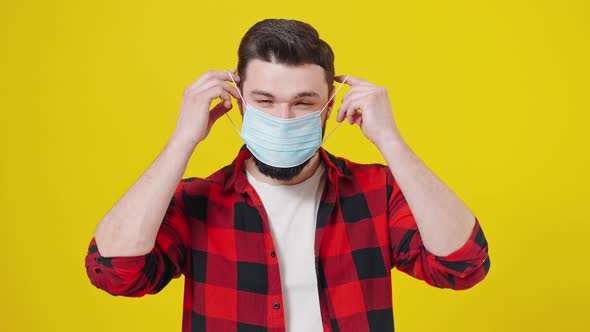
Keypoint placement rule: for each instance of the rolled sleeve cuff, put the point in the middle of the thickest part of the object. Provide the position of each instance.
(469, 257)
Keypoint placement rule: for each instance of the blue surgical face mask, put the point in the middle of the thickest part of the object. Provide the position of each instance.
(282, 142)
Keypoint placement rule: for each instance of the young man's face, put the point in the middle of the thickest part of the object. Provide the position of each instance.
(285, 91)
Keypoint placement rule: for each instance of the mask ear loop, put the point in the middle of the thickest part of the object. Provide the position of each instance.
(230, 120)
(333, 95)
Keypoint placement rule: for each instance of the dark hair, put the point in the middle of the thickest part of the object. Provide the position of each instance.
(287, 42)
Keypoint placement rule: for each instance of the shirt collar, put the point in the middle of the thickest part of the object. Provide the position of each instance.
(235, 174)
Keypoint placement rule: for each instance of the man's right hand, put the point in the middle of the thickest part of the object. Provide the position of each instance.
(196, 117)
(123, 231)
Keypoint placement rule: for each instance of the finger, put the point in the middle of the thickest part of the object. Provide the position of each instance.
(224, 86)
(207, 84)
(220, 75)
(230, 88)
(352, 113)
(224, 96)
(217, 92)
(348, 104)
(342, 111)
(341, 115)
(352, 81)
(355, 93)
(347, 110)
(233, 75)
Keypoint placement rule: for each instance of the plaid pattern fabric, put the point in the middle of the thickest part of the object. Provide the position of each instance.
(217, 234)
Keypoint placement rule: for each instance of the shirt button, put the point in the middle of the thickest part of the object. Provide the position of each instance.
(276, 305)
(272, 253)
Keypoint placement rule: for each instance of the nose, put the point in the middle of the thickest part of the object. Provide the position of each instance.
(284, 111)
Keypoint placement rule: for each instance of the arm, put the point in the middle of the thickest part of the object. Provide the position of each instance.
(433, 234)
(137, 275)
(140, 244)
(130, 227)
(445, 223)
(461, 269)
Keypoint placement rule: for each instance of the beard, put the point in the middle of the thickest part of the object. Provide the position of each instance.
(279, 173)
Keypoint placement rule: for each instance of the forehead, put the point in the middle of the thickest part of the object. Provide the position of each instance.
(285, 81)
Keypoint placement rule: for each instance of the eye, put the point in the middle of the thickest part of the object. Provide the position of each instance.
(264, 101)
(304, 103)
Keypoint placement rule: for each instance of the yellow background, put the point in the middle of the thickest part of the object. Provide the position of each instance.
(491, 95)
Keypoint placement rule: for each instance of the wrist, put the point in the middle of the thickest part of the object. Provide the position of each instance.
(180, 142)
(388, 140)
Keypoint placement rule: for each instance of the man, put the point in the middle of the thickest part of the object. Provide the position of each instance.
(288, 237)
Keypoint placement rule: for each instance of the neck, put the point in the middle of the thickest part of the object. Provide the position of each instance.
(305, 174)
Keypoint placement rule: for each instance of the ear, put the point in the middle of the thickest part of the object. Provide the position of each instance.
(330, 104)
(329, 108)
(240, 102)
(240, 107)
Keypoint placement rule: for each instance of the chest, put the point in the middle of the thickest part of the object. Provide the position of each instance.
(347, 235)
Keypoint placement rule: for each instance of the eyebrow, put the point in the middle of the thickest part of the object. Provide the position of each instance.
(298, 95)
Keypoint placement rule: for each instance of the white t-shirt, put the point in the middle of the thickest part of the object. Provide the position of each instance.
(292, 212)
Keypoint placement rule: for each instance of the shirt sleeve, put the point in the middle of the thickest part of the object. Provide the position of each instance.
(136, 276)
(461, 269)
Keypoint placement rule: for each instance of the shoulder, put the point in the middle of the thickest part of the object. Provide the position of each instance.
(364, 176)
(355, 169)
(202, 185)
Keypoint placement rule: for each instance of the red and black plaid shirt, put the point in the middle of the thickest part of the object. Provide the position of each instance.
(216, 232)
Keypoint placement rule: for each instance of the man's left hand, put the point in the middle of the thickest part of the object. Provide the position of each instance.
(368, 106)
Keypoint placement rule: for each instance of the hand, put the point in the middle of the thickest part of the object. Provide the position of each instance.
(368, 106)
(195, 119)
